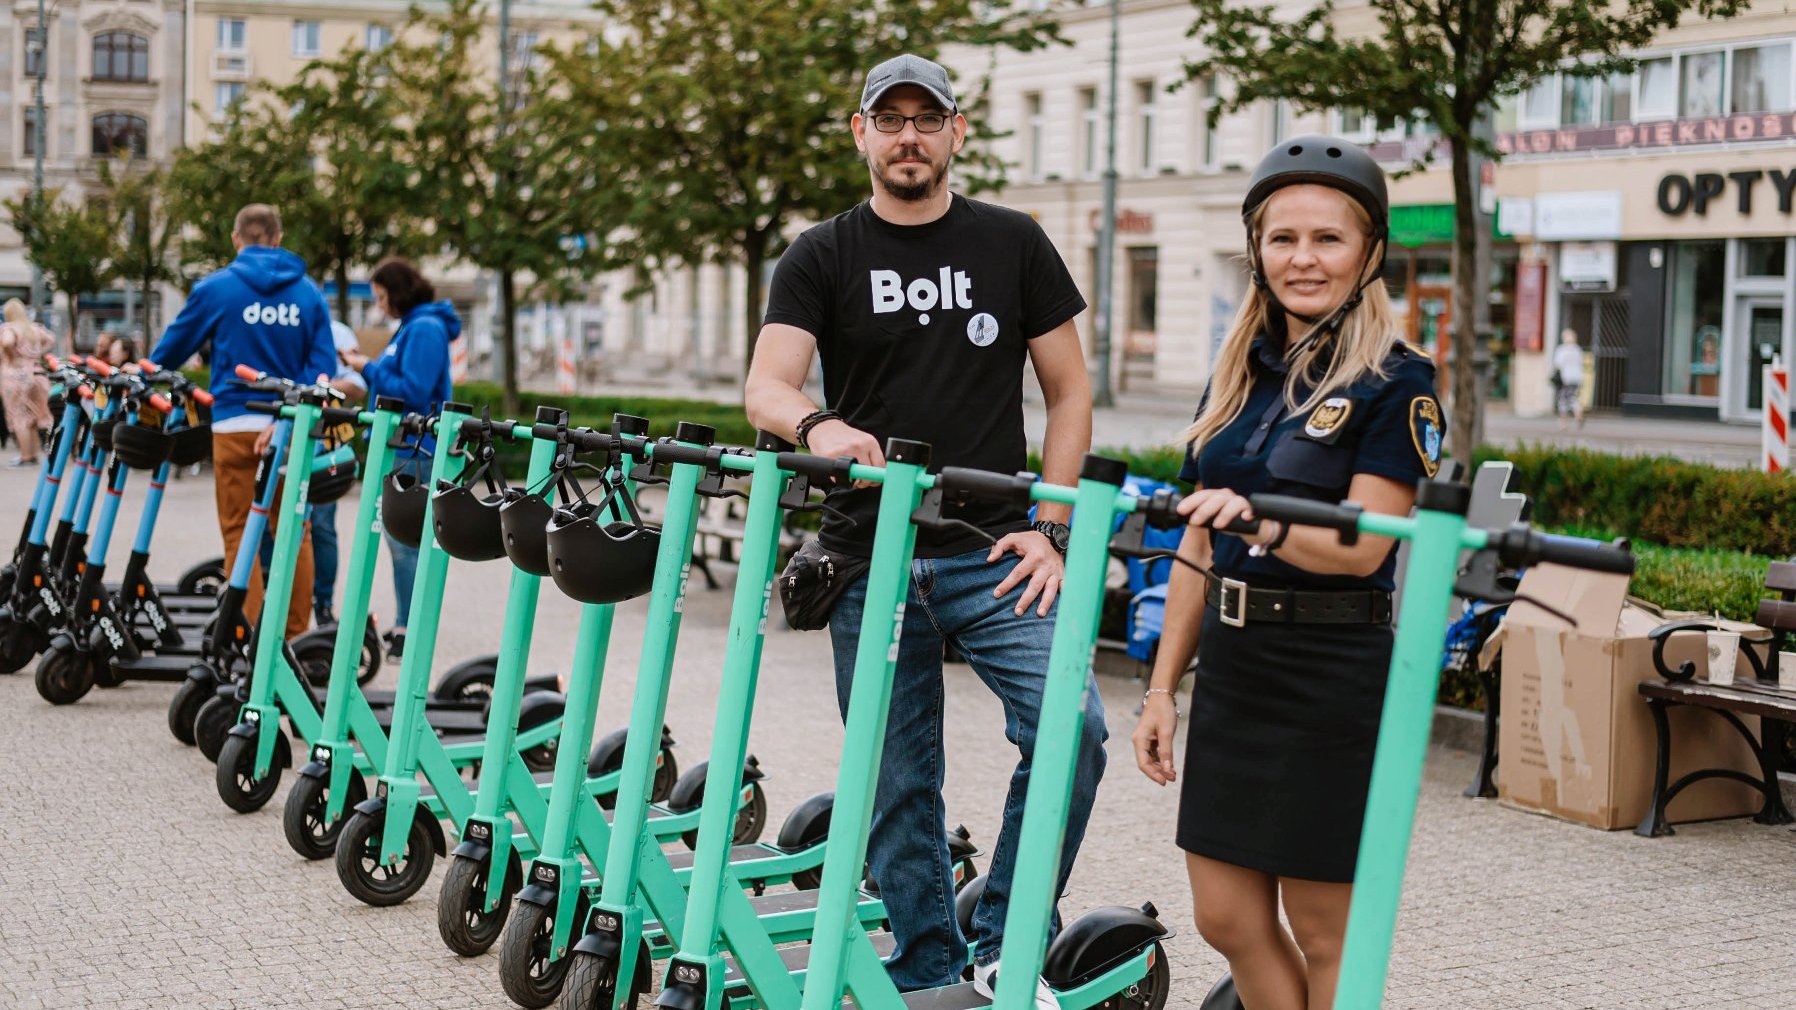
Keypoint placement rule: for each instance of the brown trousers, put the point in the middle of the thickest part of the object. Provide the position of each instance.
(234, 462)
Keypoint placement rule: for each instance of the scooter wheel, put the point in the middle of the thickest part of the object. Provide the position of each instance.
(106, 675)
(531, 974)
(1222, 995)
(184, 706)
(666, 774)
(465, 927)
(751, 820)
(18, 646)
(212, 724)
(591, 981)
(236, 778)
(204, 579)
(371, 881)
(1150, 993)
(64, 675)
(302, 819)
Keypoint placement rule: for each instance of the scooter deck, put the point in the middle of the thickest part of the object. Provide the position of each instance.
(777, 903)
(796, 958)
(954, 997)
(683, 859)
(160, 666)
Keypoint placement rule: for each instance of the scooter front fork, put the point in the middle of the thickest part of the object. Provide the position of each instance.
(494, 833)
(338, 760)
(614, 933)
(261, 716)
(693, 982)
(401, 797)
(560, 875)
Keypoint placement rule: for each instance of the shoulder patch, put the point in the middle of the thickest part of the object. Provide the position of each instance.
(1426, 430)
(1329, 418)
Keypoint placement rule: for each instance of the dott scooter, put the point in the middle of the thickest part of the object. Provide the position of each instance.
(718, 917)
(600, 560)
(1437, 534)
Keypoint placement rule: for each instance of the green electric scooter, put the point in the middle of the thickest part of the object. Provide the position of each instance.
(718, 918)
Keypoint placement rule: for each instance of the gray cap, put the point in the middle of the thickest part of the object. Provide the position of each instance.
(908, 69)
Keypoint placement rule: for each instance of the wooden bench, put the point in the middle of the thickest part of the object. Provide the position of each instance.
(1755, 694)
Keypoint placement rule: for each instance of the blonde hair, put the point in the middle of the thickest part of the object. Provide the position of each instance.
(1325, 365)
(16, 313)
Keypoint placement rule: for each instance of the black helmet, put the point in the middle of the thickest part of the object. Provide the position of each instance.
(331, 483)
(102, 430)
(193, 444)
(140, 447)
(524, 520)
(1323, 161)
(402, 504)
(602, 563)
(466, 523)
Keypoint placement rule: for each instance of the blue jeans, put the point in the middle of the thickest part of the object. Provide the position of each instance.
(324, 555)
(405, 559)
(950, 599)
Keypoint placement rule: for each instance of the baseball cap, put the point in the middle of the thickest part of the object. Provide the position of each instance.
(908, 69)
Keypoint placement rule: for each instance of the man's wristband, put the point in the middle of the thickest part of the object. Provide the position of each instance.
(812, 420)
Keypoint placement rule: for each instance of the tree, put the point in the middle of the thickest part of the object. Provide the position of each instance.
(70, 241)
(326, 150)
(144, 232)
(512, 171)
(1446, 61)
(724, 121)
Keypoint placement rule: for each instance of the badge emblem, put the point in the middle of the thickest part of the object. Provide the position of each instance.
(1329, 418)
(1426, 429)
(982, 329)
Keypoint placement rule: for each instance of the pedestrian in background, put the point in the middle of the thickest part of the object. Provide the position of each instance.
(1568, 378)
(415, 369)
(26, 394)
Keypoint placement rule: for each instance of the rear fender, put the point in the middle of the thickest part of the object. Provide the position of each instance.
(1098, 941)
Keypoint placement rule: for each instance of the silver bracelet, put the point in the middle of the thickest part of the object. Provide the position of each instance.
(1167, 692)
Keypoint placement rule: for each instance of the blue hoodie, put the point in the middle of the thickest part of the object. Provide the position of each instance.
(260, 311)
(415, 365)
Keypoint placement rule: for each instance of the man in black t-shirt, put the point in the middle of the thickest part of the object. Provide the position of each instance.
(925, 306)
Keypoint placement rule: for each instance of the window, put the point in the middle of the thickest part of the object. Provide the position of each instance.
(305, 38)
(1693, 351)
(1089, 120)
(1206, 134)
(1033, 126)
(1354, 124)
(121, 56)
(231, 34)
(29, 147)
(226, 94)
(1146, 111)
(1658, 90)
(1621, 98)
(1762, 257)
(121, 133)
(1539, 103)
(34, 53)
(1281, 121)
(1761, 79)
(379, 37)
(1700, 79)
(1144, 285)
(1592, 101)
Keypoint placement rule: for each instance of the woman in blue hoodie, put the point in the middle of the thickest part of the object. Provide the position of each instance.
(414, 368)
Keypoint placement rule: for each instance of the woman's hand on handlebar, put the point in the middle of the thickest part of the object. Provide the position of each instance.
(1153, 738)
(1217, 508)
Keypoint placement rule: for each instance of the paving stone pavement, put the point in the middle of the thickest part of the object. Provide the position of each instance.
(129, 885)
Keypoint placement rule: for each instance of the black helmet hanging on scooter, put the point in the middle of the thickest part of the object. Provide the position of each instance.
(1340, 165)
(595, 557)
(524, 522)
(402, 504)
(467, 523)
(139, 446)
(331, 482)
(102, 432)
(192, 444)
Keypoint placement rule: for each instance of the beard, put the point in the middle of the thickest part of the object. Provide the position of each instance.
(925, 185)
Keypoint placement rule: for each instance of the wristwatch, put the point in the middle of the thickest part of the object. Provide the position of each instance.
(1057, 533)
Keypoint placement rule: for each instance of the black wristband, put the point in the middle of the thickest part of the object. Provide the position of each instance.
(812, 420)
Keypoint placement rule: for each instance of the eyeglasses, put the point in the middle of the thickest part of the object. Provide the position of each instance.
(892, 122)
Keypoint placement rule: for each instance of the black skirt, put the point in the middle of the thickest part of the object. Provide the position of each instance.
(1278, 757)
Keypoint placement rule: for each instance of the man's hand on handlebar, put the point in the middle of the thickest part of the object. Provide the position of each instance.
(836, 438)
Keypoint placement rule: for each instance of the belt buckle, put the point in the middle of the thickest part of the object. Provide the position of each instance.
(1239, 589)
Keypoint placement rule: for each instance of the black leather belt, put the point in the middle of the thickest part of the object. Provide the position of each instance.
(1239, 603)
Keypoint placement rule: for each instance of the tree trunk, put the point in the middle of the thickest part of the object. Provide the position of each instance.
(1466, 432)
(340, 274)
(74, 320)
(508, 340)
(754, 257)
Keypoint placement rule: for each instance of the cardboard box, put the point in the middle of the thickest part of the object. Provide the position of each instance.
(1576, 739)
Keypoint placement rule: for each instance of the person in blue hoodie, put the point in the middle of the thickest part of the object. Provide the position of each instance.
(261, 311)
(414, 368)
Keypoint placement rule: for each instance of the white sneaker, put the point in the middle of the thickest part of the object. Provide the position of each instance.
(985, 983)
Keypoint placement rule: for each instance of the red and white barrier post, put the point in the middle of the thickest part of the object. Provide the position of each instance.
(1776, 429)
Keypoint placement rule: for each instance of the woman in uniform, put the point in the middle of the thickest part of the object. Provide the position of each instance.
(1313, 394)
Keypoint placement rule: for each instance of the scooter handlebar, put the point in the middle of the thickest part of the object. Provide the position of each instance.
(248, 374)
(161, 403)
(201, 396)
(986, 485)
(1342, 518)
(101, 368)
(1520, 546)
(263, 407)
(54, 362)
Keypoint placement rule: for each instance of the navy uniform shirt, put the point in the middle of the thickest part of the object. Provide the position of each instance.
(1390, 426)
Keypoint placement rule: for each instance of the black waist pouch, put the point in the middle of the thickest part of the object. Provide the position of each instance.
(813, 581)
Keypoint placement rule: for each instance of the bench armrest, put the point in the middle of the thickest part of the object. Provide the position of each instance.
(1687, 670)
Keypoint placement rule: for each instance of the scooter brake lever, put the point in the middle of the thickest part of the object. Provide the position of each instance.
(929, 515)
